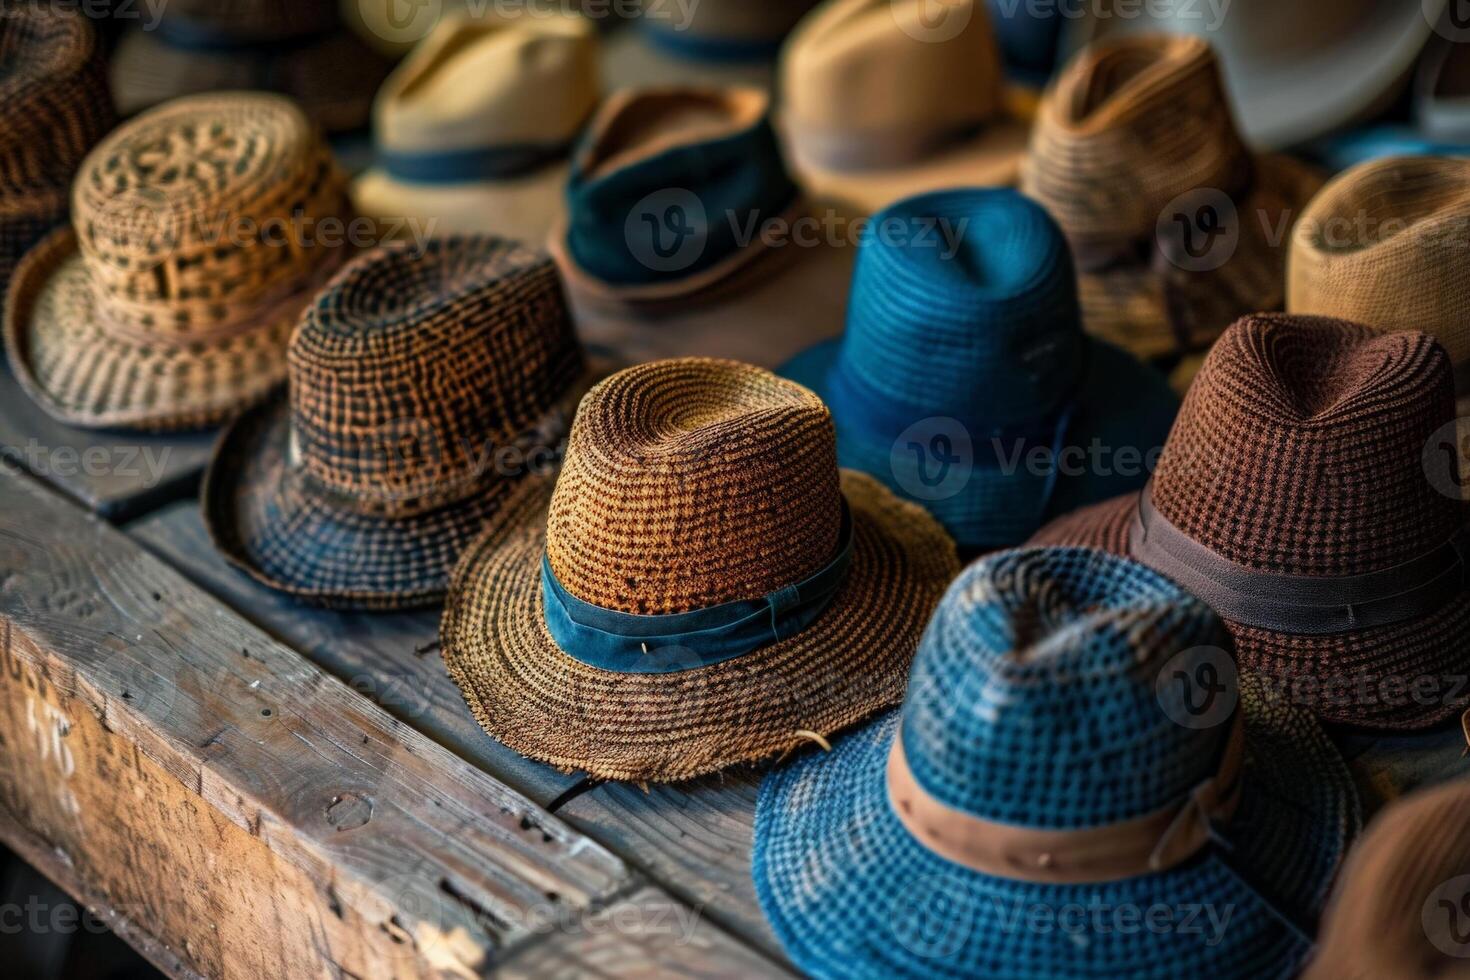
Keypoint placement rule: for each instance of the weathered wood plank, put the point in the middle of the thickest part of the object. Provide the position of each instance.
(116, 474)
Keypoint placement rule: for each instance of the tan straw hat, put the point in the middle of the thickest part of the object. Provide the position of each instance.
(201, 230)
(472, 132)
(883, 102)
(707, 588)
(1177, 228)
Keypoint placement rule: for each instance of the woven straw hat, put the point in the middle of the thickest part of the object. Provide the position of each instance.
(1400, 909)
(473, 130)
(201, 229)
(881, 103)
(1384, 244)
(297, 48)
(1303, 494)
(964, 355)
(53, 94)
(1173, 222)
(430, 394)
(1045, 759)
(707, 585)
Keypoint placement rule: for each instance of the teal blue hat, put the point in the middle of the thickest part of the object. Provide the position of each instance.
(1076, 785)
(964, 380)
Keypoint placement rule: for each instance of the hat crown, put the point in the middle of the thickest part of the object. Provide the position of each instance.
(965, 303)
(196, 213)
(1035, 697)
(1301, 448)
(492, 81)
(415, 368)
(694, 482)
(1128, 126)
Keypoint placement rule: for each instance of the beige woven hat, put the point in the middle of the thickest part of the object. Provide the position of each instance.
(200, 230)
(707, 586)
(882, 102)
(473, 130)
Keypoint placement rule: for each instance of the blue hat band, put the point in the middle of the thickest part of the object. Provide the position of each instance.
(472, 164)
(628, 643)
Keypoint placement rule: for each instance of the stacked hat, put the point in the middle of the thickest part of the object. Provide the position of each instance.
(1308, 493)
(53, 90)
(1058, 754)
(964, 380)
(429, 398)
(202, 228)
(473, 130)
(1177, 228)
(1402, 908)
(883, 101)
(294, 47)
(707, 589)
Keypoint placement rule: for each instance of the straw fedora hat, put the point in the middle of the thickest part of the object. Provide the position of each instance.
(684, 227)
(429, 396)
(707, 585)
(964, 356)
(472, 132)
(297, 48)
(1045, 758)
(1176, 227)
(1402, 906)
(1302, 494)
(55, 104)
(201, 230)
(882, 102)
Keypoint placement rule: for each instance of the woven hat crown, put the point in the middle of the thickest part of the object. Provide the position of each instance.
(1300, 448)
(195, 214)
(694, 482)
(1129, 125)
(970, 309)
(1384, 244)
(1034, 697)
(414, 368)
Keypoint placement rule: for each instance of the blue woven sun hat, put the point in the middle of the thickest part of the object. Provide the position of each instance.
(964, 372)
(1072, 721)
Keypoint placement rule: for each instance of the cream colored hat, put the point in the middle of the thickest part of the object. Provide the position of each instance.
(473, 129)
(883, 101)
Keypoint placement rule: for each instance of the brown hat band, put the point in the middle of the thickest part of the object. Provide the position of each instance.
(1153, 842)
(1300, 604)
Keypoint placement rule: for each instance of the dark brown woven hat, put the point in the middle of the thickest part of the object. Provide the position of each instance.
(54, 107)
(1402, 906)
(430, 393)
(200, 230)
(1301, 495)
(708, 588)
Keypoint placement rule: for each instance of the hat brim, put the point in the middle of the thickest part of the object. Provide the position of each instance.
(1122, 405)
(1324, 671)
(851, 662)
(524, 208)
(850, 893)
(86, 375)
(24, 221)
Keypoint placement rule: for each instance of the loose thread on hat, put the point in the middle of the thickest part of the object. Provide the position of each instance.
(808, 735)
(426, 648)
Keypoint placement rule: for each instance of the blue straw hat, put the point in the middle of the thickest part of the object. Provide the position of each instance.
(1043, 706)
(964, 380)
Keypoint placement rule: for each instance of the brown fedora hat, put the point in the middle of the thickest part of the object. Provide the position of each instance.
(195, 247)
(1173, 221)
(55, 107)
(1300, 495)
(707, 588)
(430, 392)
(1402, 905)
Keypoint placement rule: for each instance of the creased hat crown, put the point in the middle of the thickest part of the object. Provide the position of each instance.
(694, 482)
(1299, 449)
(1034, 699)
(414, 368)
